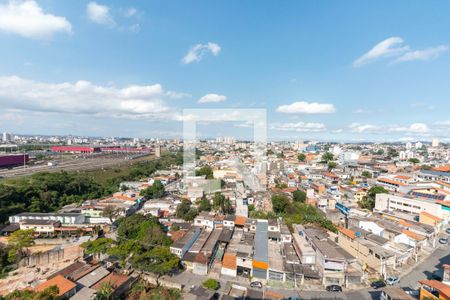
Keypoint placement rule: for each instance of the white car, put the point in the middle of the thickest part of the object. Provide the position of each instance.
(443, 241)
(392, 280)
(256, 284)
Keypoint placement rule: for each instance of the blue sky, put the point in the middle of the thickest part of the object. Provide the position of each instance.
(324, 70)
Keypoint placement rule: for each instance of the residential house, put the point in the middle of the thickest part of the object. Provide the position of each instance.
(66, 287)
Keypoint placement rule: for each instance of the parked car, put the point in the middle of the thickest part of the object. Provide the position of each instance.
(256, 284)
(446, 230)
(443, 241)
(392, 280)
(410, 291)
(436, 277)
(334, 288)
(378, 284)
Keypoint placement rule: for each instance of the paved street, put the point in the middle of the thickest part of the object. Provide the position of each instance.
(422, 271)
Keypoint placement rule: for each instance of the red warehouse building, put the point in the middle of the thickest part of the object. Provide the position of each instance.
(75, 149)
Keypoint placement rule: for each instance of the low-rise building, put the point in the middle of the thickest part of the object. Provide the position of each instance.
(63, 218)
(41, 227)
(183, 245)
(367, 251)
(66, 287)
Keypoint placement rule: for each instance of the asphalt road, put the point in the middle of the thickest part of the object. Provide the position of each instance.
(433, 264)
(424, 270)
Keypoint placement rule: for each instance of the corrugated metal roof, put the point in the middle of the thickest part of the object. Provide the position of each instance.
(261, 242)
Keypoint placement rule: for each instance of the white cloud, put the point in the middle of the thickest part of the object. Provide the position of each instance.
(212, 98)
(83, 97)
(98, 13)
(424, 55)
(443, 123)
(26, 18)
(360, 128)
(196, 53)
(299, 127)
(413, 128)
(130, 12)
(303, 107)
(389, 47)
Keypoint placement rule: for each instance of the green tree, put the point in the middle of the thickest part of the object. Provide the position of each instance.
(368, 201)
(301, 213)
(222, 204)
(129, 226)
(158, 260)
(205, 171)
(392, 152)
(331, 165)
(98, 246)
(299, 196)
(18, 241)
(280, 203)
(156, 190)
(211, 284)
(301, 157)
(366, 174)
(259, 214)
(186, 211)
(204, 204)
(414, 160)
(104, 292)
(125, 249)
(50, 293)
(281, 185)
(327, 157)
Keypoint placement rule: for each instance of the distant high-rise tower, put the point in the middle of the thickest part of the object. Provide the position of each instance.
(418, 145)
(435, 143)
(158, 151)
(7, 137)
(408, 145)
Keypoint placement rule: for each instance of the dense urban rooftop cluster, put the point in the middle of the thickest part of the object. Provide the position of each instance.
(306, 216)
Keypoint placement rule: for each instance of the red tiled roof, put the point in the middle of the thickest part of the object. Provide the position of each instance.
(177, 235)
(64, 285)
(390, 181)
(413, 235)
(229, 261)
(433, 217)
(347, 232)
(240, 220)
(437, 285)
(115, 279)
(405, 223)
(403, 177)
(442, 168)
(289, 190)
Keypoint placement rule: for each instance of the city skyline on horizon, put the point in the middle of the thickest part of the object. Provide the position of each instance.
(210, 138)
(324, 71)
